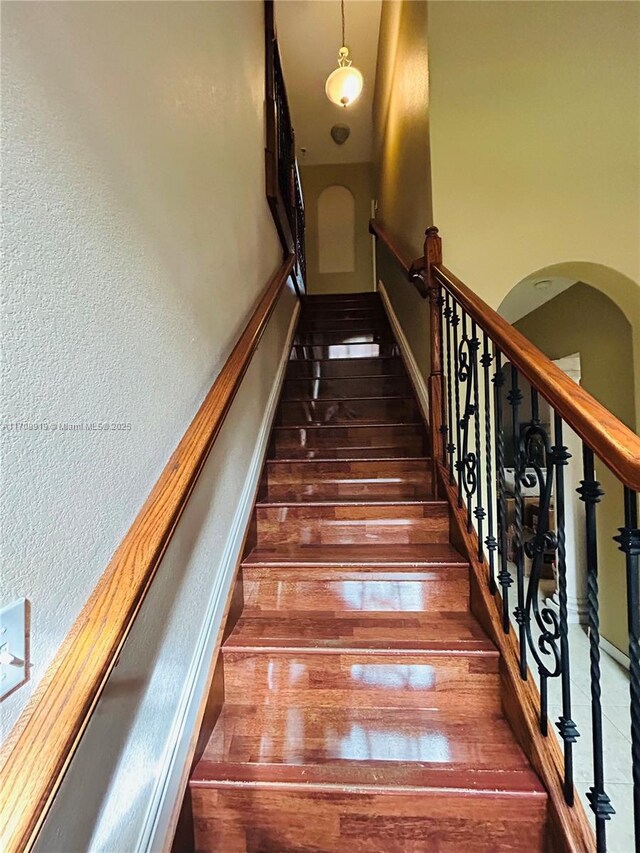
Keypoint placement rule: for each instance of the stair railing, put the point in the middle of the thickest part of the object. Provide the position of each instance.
(283, 186)
(477, 420)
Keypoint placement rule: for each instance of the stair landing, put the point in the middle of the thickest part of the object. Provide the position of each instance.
(362, 703)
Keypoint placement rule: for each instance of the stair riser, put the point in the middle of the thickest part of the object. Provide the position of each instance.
(347, 525)
(380, 410)
(333, 322)
(301, 389)
(327, 315)
(261, 820)
(373, 680)
(345, 368)
(362, 595)
(309, 350)
(345, 337)
(343, 436)
(408, 480)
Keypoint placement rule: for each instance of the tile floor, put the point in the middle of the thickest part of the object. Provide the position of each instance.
(616, 733)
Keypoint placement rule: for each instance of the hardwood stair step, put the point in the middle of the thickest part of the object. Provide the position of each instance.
(341, 632)
(377, 678)
(309, 480)
(349, 745)
(359, 409)
(388, 556)
(325, 589)
(344, 388)
(344, 368)
(323, 351)
(350, 522)
(284, 819)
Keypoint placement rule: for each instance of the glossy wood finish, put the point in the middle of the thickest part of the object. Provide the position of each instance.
(364, 410)
(362, 696)
(238, 820)
(410, 523)
(380, 480)
(44, 739)
(346, 387)
(344, 368)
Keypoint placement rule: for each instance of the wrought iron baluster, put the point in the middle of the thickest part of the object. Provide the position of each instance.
(590, 492)
(515, 399)
(466, 369)
(491, 542)
(444, 429)
(504, 576)
(479, 512)
(566, 726)
(448, 315)
(629, 544)
(455, 322)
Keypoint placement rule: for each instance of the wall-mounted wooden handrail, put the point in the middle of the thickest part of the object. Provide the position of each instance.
(44, 740)
(613, 442)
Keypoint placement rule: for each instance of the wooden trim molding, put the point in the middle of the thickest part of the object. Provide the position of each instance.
(42, 743)
(612, 442)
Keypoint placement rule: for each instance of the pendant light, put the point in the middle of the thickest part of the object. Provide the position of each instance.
(344, 85)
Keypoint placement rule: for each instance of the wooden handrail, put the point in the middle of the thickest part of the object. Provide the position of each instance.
(613, 442)
(40, 747)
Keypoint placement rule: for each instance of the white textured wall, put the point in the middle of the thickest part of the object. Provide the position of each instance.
(137, 241)
(108, 798)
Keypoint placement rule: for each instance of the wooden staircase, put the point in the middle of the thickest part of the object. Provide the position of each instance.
(362, 703)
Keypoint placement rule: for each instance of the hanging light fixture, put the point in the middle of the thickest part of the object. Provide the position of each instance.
(344, 85)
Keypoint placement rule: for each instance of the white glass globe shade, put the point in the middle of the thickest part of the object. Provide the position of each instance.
(344, 85)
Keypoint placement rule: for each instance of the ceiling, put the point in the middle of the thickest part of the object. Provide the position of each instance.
(309, 33)
(531, 293)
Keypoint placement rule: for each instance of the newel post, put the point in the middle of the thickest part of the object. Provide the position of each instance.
(433, 255)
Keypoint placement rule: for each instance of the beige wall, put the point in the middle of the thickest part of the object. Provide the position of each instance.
(535, 121)
(401, 124)
(585, 321)
(357, 177)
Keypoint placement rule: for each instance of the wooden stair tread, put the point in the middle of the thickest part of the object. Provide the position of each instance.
(379, 631)
(361, 555)
(408, 747)
(362, 698)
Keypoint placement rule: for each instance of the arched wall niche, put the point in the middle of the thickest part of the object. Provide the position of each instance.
(616, 290)
(336, 230)
(600, 320)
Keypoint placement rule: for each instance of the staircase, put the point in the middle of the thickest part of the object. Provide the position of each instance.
(362, 707)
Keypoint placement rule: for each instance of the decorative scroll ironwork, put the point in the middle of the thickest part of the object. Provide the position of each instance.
(537, 462)
(475, 457)
(466, 374)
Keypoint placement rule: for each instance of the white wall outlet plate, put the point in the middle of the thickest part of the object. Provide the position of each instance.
(13, 646)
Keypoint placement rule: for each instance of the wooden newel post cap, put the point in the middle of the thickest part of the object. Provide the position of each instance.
(431, 231)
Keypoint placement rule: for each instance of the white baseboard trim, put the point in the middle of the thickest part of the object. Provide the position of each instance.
(159, 824)
(408, 357)
(615, 653)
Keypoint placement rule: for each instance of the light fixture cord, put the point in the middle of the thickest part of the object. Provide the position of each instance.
(342, 9)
